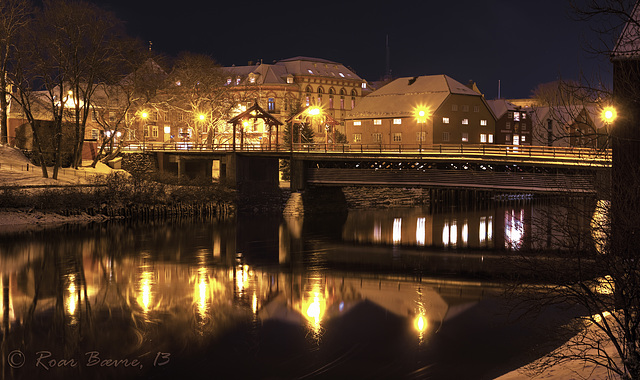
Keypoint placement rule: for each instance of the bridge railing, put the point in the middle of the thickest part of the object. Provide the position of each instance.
(479, 150)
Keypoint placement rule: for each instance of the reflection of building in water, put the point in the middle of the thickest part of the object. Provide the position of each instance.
(415, 227)
(161, 291)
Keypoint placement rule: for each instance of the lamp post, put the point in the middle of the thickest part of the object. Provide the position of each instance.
(201, 119)
(421, 114)
(144, 115)
(608, 115)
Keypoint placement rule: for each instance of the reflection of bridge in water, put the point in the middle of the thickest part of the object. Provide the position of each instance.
(493, 167)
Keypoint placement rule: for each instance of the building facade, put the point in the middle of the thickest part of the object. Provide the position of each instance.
(284, 86)
(422, 110)
(514, 123)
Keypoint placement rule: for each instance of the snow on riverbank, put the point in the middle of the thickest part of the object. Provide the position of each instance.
(16, 170)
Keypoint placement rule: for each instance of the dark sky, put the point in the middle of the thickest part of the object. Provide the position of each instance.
(521, 43)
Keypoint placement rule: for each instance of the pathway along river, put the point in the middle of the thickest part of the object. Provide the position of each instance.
(372, 294)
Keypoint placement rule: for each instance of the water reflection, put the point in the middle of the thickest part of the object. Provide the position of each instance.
(217, 289)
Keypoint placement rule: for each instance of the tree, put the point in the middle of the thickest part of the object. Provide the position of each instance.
(294, 132)
(195, 89)
(600, 266)
(14, 17)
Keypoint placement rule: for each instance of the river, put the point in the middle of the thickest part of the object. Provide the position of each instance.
(367, 294)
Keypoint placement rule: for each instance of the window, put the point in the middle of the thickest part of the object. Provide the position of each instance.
(353, 103)
(507, 137)
(465, 121)
(228, 81)
(357, 137)
(516, 116)
(377, 137)
(483, 123)
(377, 121)
(524, 116)
(237, 81)
(271, 105)
(180, 116)
(508, 125)
(166, 116)
(252, 79)
(445, 136)
(154, 131)
(490, 138)
(465, 108)
(465, 137)
(95, 134)
(483, 138)
(167, 129)
(397, 137)
(522, 138)
(397, 121)
(307, 101)
(364, 85)
(112, 117)
(330, 102)
(357, 122)
(445, 120)
(421, 136)
(476, 108)
(146, 131)
(289, 79)
(454, 107)
(510, 115)
(154, 116)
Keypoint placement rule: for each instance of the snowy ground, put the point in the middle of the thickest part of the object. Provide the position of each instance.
(16, 170)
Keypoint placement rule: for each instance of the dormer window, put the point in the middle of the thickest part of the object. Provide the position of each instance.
(289, 79)
(341, 74)
(310, 72)
(228, 81)
(237, 81)
(252, 79)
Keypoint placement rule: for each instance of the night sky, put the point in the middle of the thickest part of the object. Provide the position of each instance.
(521, 43)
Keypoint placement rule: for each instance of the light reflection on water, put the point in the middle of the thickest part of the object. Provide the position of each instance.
(139, 290)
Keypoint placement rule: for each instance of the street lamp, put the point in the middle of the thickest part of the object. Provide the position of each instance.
(144, 115)
(609, 114)
(422, 114)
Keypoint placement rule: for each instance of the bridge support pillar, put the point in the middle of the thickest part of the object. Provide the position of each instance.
(297, 175)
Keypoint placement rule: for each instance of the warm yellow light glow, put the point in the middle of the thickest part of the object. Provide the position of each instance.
(72, 301)
(245, 124)
(144, 299)
(254, 303)
(397, 230)
(605, 285)
(201, 117)
(420, 323)
(609, 114)
(420, 231)
(144, 115)
(422, 114)
(314, 111)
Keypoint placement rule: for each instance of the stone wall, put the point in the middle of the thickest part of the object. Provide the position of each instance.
(139, 163)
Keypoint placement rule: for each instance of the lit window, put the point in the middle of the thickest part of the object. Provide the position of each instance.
(357, 137)
(252, 80)
(522, 138)
(377, 121)
(516, 116)
(341, 74)
(271, 105)
(167, 129)
(465, 121)
(483, 137)
(95, 134)
(523, 115)
(364, 85)
(445, 120)
(397, 137)
(310, 72)
(490, 138)
(357, 122)
(445, 136)
(483, 122)
(307, 101)
(289, 80)
(465, 137)
(397, 121)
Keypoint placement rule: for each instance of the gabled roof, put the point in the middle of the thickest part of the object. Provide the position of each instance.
(403, 95)
(628, 44)
(501, 106)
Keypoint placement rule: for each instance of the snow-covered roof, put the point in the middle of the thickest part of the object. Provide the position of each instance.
(277, 72)
(401, 97)
(501, 106)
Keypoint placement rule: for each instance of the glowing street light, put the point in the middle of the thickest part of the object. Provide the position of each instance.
(144, 116)
(609, 114)
(201, 117)
(422, 114)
